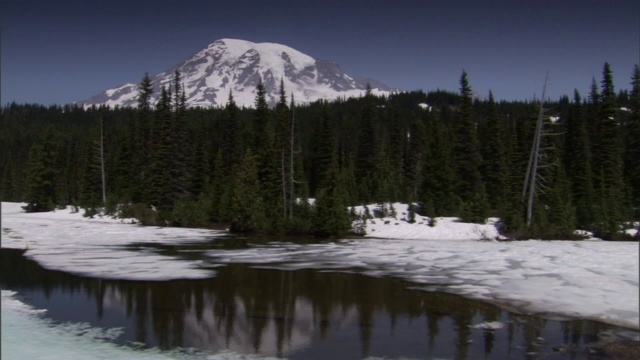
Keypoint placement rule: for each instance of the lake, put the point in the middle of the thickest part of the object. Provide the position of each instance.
(302, 314)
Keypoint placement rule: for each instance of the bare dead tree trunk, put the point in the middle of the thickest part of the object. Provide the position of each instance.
(529, 187)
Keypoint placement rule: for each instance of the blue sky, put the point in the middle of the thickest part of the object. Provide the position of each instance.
(56, 51)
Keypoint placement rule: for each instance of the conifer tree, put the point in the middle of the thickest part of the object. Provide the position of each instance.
(145, 90)
(493, 163)
(467, 158)
(283, 149)
(180, 145)
(578, 163)
(415, 159)
(142, 140)
(632, 154)
(39, 178)
(365, 156)
(260, 119)
(158, 183)
(438, 193)
(229, 136)
(607, 160)
(322, 152)
(247, 210)
(330, 215)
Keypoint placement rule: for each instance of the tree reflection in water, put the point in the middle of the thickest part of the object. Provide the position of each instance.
(297, 314)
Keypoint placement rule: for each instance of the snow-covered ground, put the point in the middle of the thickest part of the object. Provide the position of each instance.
(583, 279)
(67, 241)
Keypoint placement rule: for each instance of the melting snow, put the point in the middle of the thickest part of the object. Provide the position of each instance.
(584, 279)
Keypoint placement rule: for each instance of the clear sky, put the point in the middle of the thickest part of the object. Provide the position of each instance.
(60, 51)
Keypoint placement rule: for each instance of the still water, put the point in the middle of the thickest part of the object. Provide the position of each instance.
(303, 314)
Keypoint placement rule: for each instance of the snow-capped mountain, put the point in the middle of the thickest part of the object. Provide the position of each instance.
(237, 66)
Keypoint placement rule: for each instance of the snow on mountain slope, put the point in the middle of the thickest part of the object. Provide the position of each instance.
(236, 66)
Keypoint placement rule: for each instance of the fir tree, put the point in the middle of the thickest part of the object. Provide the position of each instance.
(632, 154)
(322, 152)
(438, 192)
(247, 210)
(39, 178)
(229, 136)
(365, 157)
(260, 119)
(493, 166)
(158, 183)
(578, 163)
(331, 216)
(467, 157)
(607, 160)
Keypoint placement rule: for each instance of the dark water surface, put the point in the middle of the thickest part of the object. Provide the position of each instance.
(303, 314)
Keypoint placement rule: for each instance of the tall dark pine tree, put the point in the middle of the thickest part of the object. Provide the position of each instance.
(578, 163)
(321, 152)
(365, 156)
(229, 137)
(142, 140)
(283, 148)
(260, 120)
(180, 144)
(493, 162)
(467, 158)
(330, 216)
(145, 90)
(607, 160)
(632, 154)
(247, 210)
(39, 178)
(438, 191)
(158, 183)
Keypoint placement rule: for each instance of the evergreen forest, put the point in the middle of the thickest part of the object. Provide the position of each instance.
(255, 169)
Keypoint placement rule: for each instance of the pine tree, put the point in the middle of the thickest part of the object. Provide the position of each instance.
(39, 178)
(145, 91)
(607, 160)
(467, 158)
(365, 156)
(578, 163)
(181, 147)
(414, 162)
(158, 182)
(632, 154)
(283, 149)
(229, 136)
(438, 191)
(322, 152)
(260, 119)
(247, 211)
(493, 166)
(330, 215)
(142, 142)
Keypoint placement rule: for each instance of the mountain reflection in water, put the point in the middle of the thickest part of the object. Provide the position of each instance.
(306, 314)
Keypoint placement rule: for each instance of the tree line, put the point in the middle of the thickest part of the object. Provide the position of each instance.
(254, 169)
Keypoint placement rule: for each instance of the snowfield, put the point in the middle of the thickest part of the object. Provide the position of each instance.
(589, 279)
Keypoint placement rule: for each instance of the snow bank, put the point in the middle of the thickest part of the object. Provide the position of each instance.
(27, 334)
(423, 227)
(67, 241)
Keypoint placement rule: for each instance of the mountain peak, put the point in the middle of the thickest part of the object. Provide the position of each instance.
(238, 65)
